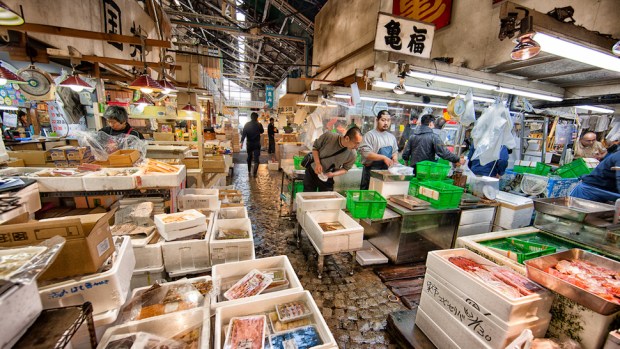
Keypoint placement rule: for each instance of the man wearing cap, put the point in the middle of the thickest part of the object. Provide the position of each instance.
(379, 148)
(424, 144)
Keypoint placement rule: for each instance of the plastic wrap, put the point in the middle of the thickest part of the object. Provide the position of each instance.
(469, 116)
(251, 284)
(167, 298)
(492, 130)
(398, 169)
(246, 332)
(33, 262)
(103, 144)
(142, 340)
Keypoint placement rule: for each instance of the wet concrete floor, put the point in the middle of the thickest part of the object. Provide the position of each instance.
(356, 306)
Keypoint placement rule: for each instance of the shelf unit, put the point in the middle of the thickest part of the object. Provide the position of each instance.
(528, 119)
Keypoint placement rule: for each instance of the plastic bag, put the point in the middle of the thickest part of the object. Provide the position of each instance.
(469, 116)
(102, 144)
(398, 169)
(492, 130)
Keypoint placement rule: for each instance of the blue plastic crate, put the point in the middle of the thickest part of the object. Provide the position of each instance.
(560, 187)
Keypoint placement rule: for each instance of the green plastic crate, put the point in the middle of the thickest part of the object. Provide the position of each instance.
(365, 204)
(519, 250)
(575, 169)
(299, 187)
(430, 170)
(542, 169)
(441, 195)
(520, 169)
(443, 162)
(297, 162)
(414, 184)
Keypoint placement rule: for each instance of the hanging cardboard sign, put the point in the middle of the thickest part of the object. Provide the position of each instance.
(406, 36)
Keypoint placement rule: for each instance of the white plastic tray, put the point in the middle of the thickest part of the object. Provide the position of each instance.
(186, 255)
(504, 308)
(59, 184)
(106, 291)
(165, 326)
(176, 230)
(239, 269)
(20, 306)
(97, 181)
(163, 180)
(491, 330)
(223, 315)
(347, 239)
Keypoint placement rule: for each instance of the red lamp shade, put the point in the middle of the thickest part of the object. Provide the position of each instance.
(7, 76)
(146, 84)
(143, 101)
(75, 83)
(167, 86)
(190, 108)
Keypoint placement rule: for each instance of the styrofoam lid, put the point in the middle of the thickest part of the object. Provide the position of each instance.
(513, 199)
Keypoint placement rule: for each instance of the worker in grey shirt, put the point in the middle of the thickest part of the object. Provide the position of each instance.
(333, 156)
(379, 148)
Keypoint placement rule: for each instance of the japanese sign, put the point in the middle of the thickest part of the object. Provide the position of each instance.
(404, 36)
(437, 12)
(269, 95)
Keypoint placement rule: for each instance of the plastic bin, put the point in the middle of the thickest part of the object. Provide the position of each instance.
(197, 198)
(299, 187)
(365, 204)
(297, 162)
(326, 200)
(518, 250)
(20, 305)
(560, 187)
(514, 211)
(414, 185)
(350, 237)
(106, 291)
(575, 169)
(441, 195)
(231, 250)
(430, 170)
(232, 212)
(181, 257)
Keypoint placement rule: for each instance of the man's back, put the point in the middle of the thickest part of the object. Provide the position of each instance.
(252, 131)
(425, 144)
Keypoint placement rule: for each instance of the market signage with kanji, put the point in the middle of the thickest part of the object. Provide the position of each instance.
(406, 36)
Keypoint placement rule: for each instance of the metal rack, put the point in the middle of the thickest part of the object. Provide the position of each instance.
(543, 147)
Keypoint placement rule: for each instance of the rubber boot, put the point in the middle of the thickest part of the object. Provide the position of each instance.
(255, 170)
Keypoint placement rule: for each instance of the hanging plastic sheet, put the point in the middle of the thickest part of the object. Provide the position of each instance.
(469, 116)
(492, 130)
(102, 144)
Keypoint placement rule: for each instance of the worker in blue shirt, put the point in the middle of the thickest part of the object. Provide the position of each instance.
(603, 183)
(492, 169)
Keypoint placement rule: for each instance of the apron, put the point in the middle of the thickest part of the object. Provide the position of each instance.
(375, 165)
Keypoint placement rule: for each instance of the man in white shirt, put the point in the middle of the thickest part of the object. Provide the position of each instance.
(379, 148)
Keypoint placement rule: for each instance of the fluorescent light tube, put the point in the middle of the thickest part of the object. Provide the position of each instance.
(528, 94)
(419, 104)
(427, 91)
(449, 80)
(341, 96)
(570, 50)
(310, 104)
(8, 107)
(373, 99)
(484, 99)
(596, 109)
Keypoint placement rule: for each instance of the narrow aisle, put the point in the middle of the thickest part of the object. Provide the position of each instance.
(354, 307)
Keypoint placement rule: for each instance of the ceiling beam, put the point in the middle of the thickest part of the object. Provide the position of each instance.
(55, 53)
(86, 34)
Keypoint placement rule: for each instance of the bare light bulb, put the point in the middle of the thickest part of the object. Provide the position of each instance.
(146, 90)
(166, 91)
(3, 81)
(77, 88)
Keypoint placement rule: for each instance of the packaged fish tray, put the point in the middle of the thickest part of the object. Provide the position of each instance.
(246, 332)
(292, 311)
(303, 338)
(251, 284)
(508, 294)
(279, 280)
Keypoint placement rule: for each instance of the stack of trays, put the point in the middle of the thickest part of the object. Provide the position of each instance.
(179, 225)
(476, 313)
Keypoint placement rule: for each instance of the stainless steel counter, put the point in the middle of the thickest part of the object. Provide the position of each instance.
(408, 238)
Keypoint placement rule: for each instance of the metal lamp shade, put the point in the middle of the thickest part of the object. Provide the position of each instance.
(9, 17)
(146, 84)
(75, 83)
(526, 48)
(8, 76)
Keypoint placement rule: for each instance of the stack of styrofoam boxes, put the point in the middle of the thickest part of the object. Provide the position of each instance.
(459, 310)
(231, 250)
(225, 275)
(198, 198)
(513, 212)
(324, 207)
(107, 291)
(187, 256)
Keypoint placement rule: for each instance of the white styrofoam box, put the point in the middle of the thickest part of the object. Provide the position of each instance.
(329, 200)
(20, 306)
(369, 255)
(223, 315)
(103, 321)
(166, 326)
(231, 250)
(137, 291)
(433, 331)
(147, 277)
(160, 180)
(30, 198)
(491, 330)
(186, 255)
(172, 230)
(99, 180)
(272, 166)
(507, 309)
(514, 211)
(197, 198)
(149, 256)
(347, 239)
(59, 184)
(237, 270)
(477, 215)
(473, 229)
(26, 172)
(233, 212)
(389, 188)
(107, 290)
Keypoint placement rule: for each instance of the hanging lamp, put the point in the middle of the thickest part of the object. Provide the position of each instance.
(142, 102)
(9, 17)
(168, 87)
(526, 47)
(75, 83)
(146, 84)
(7, 76)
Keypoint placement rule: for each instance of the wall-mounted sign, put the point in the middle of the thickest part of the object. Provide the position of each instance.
(269, 95)
(438, 12)
(406, 36)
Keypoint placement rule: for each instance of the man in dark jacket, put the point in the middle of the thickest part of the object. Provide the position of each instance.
(252, 131)
(424, 144)
(603, 183)
(271, 132)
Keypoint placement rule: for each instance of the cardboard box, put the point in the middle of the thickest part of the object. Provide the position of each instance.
(104, 201)
(163, 136)
(191, 162)
(77, 153)
(61, 163)
(32, 158)
(58, 154)
(123, 158)
(16, 163)
(214, 163)
(89, 242)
